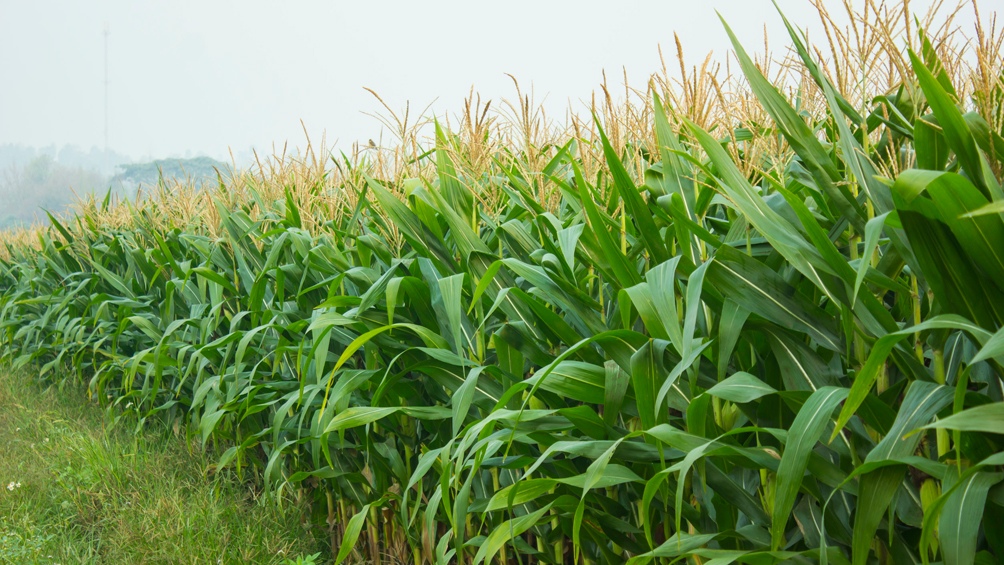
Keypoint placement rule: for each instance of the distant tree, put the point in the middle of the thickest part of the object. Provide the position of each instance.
(197, 170)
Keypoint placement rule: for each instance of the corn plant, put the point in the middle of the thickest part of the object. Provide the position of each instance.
(587, 352)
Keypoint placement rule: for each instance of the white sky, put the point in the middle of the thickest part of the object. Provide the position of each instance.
(205, 76)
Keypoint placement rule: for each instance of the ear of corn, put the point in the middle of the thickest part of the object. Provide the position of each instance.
(765, 334)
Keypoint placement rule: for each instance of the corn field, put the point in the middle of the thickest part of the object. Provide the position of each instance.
(752, 317)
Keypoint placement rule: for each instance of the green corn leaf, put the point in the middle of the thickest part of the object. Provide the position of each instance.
(866, 377)
(615, 388)
(961, 514)
(955, 199)
(933, 62)
(956, 132)
(520, 493)
(996, 207)
(756, 288)
(463, 397)
(633, 202)
(809, 424)
(931, 146)
(922, 401)
(457, 195)
(873, 230)
(506, 531)
(646, 380)
(626, 275)
(410, 225)
(292, 211)
(358, 416)
(592, 476)
(741, 388)
(987, 418)
(798, 134)
(950, 272)
(801, 367)
(451, 289)
(731, 323)
(351, 535)
(576, 380)
(992, 349)
(679, 544)
(813, 68)
(961, 517)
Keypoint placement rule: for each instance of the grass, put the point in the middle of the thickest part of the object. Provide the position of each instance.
(75, 492)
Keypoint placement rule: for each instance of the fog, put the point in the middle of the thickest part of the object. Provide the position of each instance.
(190, 78)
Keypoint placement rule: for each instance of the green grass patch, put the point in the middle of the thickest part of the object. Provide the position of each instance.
(77, 492)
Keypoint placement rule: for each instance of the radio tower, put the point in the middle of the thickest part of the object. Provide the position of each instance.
(106, 94)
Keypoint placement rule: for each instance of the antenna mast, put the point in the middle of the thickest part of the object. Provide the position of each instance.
(106, 32)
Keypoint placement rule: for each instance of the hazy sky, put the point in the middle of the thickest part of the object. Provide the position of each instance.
(202, 76)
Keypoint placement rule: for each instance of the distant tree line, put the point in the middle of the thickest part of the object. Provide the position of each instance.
(197, 170)
(34, 180)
